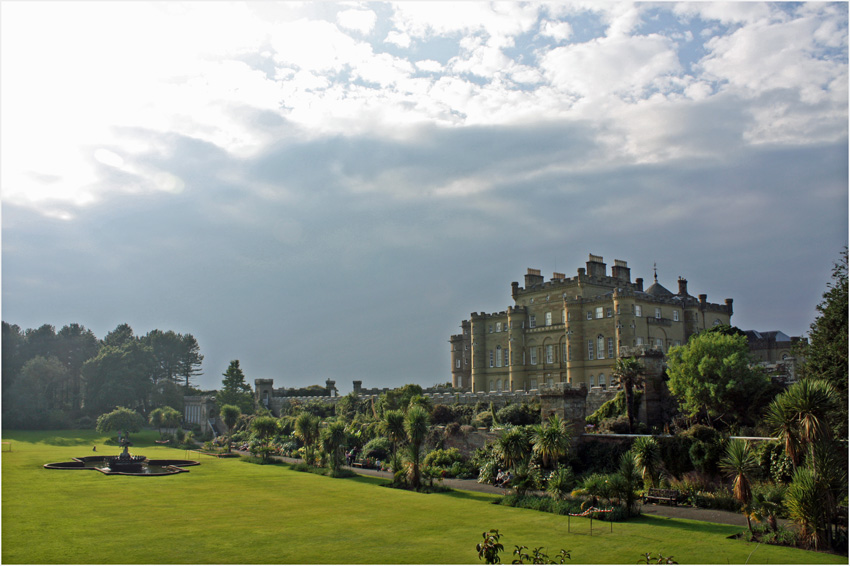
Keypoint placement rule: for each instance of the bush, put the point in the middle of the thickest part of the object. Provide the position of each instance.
(675, 455)
(519, 414)
(615, 425)
(378, 448)
(594, 456)
(442, 458)
(483, 419)
(452, 429)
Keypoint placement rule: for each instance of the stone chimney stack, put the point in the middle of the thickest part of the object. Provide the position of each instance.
(639, 283)
(683, 287)
(703, 299)
(621, 271)
(595, 267)
(729, 306)
(514, 289)
(532, 278)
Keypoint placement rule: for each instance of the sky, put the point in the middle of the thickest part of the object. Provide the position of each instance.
(326, 190)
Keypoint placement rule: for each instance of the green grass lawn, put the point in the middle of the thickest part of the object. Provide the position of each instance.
(230, 511)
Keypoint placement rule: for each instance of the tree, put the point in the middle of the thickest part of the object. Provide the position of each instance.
(189, 365)
(75, 344)
(307, 429)
(712, 375)
(551, 441)
(393, 427)
(156, 418)
(264, 428)
(333, 443)
(121, 419)
(230, 415)
(119, 375)
(629, 374)
(513, 447)
(416, 423)
(626, 482)
(740, 465)
(648, 459)
(235, 390)
(826, 353)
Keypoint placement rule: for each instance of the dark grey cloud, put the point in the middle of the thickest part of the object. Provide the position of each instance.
(285, 262)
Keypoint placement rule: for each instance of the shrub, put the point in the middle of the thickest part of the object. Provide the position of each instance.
(378, 448)
(675, 456)
(483, 419)
(443, 458)
(452, 429)
(615, 425)
(519, 414)
(595, 456)
(560, 482)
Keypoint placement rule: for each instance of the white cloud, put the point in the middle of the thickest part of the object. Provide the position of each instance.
(611, 65)
(397, 38)
(429, 65)
(560, 31)
(362, 21)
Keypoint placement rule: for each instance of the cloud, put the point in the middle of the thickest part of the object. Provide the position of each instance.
(362, 21)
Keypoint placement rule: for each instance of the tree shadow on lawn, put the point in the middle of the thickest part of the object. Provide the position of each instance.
(687, 525)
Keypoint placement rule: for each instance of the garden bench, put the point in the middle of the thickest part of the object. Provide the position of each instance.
(670, 496)
(358, 465)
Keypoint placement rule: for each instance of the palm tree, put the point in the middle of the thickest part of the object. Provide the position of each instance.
(648, 458)
(393, 426)
(740, 464)
(551, 441)
(230, 415)
(416, 424)
(807, 507)
(782, 421)
(333, 443)
(626, 482)
(264, 428)
(513, 447)
(156, 418)
(307, 429)
(629, 374)
(811, 401)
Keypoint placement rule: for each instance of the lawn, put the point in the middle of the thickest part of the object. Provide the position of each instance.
(230, 511)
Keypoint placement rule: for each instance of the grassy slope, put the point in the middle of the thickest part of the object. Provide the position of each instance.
(229, 511)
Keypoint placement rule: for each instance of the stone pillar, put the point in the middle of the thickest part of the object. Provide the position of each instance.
(567, 402)
(478, 352)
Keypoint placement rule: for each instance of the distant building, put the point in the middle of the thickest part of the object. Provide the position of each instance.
(570, 330)
(774, 351)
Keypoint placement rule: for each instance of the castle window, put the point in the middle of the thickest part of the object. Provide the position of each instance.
(533, 384)
(491, 358)
(608, 312)
(457, 363)
(590, 349)
(569, 353)
(639, 341)
(638, 310)
(498, 327)
(533, 356)
(532, 321)
(618, 309)
(550, 354)
(491, 329)
(498, 357)
(657, 312)
(676, 315)
(600, 347)
(569, 317)
(610, 347)
(506, 357)
(498, 385)
(563, 316)
(602, 380)
(548, 319)
(589, 315)
(492, 385)
(599, 311)
(549, 382)
(593, 380)
(660, 343)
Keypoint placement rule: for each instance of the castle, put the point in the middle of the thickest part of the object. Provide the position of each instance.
(571, 330)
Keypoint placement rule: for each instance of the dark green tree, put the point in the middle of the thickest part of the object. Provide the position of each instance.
(826, 352)
(75, 345)
(119, 376)
(230, 416)
(712, 376)
(121, 419)
(629, 374)
(235, 390)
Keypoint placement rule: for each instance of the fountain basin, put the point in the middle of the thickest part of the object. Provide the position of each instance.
(139, 466)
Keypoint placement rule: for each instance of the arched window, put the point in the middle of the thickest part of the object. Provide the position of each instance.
(498, 356)
(600, 347)
(498, 385)
(593, 381)
(492, 385)
(602, 380)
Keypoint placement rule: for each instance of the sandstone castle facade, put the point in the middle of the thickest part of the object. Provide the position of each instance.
(571, 330)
